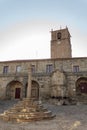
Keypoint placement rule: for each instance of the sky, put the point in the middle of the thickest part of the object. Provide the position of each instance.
(25, 27)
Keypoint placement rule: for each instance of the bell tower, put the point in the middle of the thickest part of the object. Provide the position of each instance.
(61, 44)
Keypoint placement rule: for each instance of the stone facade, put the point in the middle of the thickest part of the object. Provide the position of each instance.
(51, 78)
(58, 81)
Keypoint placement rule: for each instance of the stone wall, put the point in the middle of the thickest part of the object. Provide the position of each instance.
(61, 75)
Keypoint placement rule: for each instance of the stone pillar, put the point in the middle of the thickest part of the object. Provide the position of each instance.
(29, 83)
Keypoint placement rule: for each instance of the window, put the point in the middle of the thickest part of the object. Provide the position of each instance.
(76, 68)
(18, 68)
(5, 69)
(59, 36)
(49, 68)
(33, 68)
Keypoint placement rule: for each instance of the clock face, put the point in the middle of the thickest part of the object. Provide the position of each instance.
(59, 42)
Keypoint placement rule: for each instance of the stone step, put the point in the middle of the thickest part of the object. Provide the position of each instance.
(27, 116)
(24, 111)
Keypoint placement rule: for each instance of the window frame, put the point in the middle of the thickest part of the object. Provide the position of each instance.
(5, 69)
(33, 69)
(49, 68)
(18, 68)
(76, 68)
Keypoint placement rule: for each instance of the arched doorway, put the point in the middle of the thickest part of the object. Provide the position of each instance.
(81, 86)
(14, 90)
(34, 90)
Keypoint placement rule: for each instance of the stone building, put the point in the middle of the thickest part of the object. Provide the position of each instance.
(61, 76)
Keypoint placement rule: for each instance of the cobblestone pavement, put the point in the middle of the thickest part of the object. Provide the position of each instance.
(71, 117)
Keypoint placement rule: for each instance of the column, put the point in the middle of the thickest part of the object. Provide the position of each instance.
(29, 83)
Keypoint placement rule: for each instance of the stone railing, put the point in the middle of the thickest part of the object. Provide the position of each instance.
(35, 74)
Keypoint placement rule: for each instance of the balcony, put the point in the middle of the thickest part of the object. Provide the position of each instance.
(23, 74)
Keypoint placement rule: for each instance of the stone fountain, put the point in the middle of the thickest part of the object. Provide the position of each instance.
(27, 110)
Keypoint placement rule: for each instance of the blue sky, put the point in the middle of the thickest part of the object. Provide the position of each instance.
(25, 27)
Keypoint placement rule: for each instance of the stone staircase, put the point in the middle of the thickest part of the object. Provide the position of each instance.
(25, 111)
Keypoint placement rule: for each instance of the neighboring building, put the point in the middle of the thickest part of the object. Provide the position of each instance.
(61, 76)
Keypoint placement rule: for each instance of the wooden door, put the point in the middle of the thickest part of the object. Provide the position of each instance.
(83, 87)
(17, 93)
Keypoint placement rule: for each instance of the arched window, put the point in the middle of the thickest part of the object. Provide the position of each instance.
(59, 35)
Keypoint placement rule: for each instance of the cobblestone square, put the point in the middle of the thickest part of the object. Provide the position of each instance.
(68, 117)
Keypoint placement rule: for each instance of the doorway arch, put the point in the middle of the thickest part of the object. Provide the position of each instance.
(81, 86)
(34, 90)
(14, 90)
